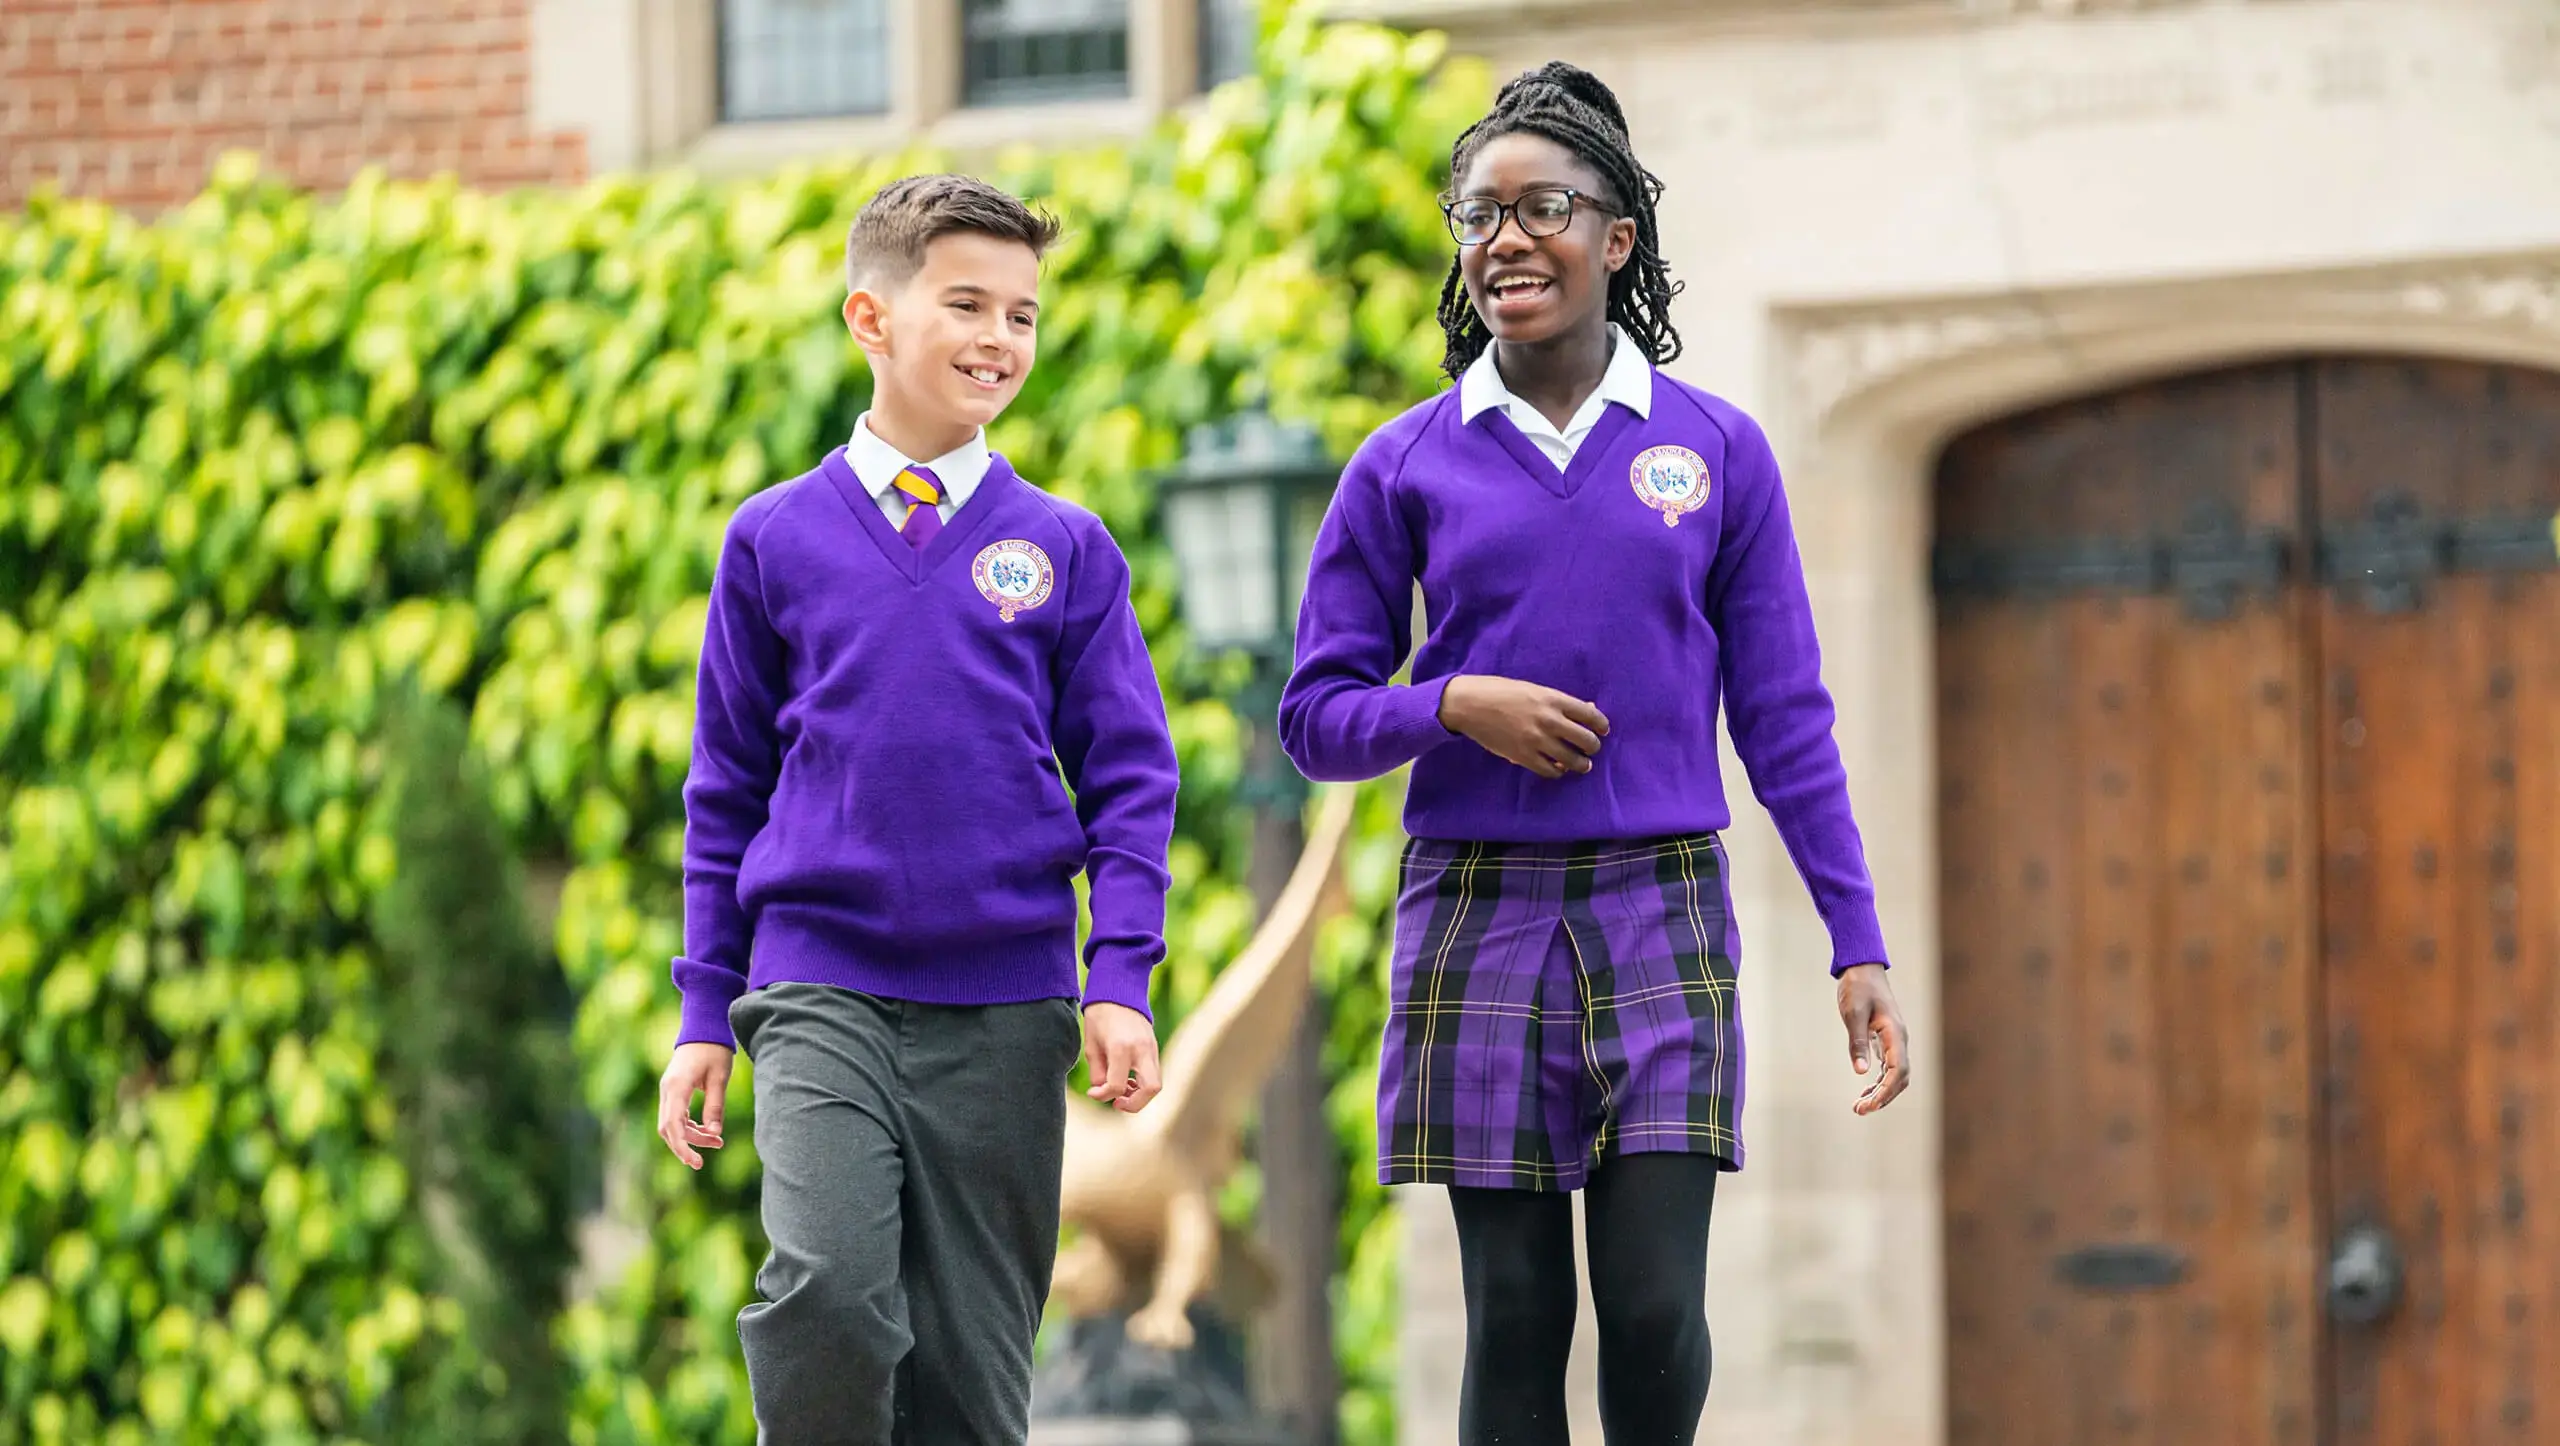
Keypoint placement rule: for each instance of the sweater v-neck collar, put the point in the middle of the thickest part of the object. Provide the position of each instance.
(1525, 453)
(912, 563)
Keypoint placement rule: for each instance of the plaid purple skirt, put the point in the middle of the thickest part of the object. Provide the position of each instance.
(1553, 1006)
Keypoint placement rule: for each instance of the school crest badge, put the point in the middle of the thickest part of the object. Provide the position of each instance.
(1014, 575)
(1671, 481)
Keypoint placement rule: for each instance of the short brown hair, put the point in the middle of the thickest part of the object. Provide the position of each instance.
(890, 232)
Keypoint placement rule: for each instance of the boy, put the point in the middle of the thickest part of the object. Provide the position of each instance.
(900, 662)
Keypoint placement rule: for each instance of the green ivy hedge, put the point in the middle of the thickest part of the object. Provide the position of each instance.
(269, 458)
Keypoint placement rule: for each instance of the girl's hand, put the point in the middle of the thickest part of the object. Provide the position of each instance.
(1875, 1027)
(1549, 733)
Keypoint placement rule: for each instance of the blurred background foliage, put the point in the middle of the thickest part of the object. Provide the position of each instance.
(354, 552)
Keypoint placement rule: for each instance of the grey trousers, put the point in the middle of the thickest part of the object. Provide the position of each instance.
(911, 1158)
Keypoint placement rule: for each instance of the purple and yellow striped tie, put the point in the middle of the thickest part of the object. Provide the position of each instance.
(923, 492)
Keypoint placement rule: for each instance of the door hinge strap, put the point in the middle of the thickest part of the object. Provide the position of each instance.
(2390, 557)
(2210, 567)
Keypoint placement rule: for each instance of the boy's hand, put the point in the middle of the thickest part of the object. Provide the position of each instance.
(697, 1066)
(1546, 732)
(1120, 1055)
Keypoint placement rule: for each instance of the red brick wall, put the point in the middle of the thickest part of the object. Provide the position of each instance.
(131, 101)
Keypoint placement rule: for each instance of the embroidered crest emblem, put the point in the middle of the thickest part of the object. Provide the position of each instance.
(1671, 481)
(1014, 575)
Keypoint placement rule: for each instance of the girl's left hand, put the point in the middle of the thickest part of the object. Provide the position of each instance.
(1875, 1026)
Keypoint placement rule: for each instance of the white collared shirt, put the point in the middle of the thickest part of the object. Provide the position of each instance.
(1628, 382)
(878, 465)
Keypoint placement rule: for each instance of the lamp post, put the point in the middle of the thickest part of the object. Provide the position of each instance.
(1241, 511)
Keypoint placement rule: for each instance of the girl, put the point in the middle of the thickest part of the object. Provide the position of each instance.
(1603, 553)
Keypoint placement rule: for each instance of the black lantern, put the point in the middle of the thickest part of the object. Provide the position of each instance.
(1241, 511)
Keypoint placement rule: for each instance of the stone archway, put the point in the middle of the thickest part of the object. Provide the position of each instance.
(1865, 397)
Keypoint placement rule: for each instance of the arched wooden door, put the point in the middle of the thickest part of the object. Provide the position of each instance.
(2249, 735)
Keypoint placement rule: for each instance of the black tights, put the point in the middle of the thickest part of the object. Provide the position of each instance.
(1645, 1227)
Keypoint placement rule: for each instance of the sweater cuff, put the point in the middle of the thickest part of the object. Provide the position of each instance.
(708, 993)
(1414, 717)
(1857, 938)
(1119, 978)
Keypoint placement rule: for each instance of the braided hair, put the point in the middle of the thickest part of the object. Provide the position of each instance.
(1572, 107)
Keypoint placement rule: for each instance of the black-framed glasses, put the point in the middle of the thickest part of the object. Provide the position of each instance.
(1547, 211)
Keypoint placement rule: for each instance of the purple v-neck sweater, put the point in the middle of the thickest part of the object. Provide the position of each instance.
(1575, 580)
(883, 747)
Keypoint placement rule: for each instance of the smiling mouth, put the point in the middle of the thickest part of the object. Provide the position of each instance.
(987, 377)
(1520, 288)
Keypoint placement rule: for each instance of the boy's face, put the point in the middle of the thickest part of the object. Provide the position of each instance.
(953, 344)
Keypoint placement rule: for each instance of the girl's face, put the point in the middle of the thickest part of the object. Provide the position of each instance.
(1530, 287)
